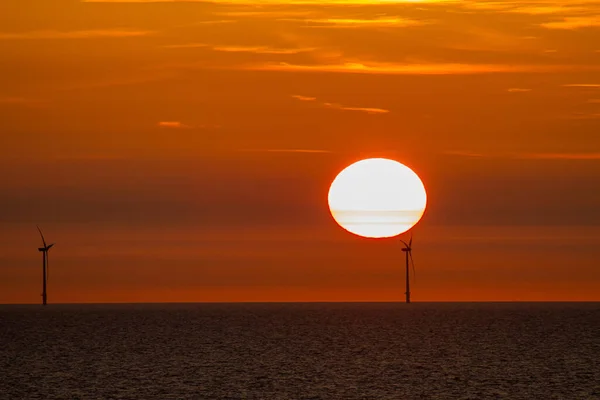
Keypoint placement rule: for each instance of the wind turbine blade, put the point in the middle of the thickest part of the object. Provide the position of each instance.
(404, 243)
(42, 235)
(47, 268)
(410, 241)
(413, 266)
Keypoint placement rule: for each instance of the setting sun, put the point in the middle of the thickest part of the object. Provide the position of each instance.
(377, 198)
(286, 199)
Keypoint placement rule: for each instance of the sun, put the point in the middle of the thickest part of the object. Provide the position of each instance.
(377, 198)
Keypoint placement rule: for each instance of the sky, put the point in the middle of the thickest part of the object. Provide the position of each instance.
(183, 150)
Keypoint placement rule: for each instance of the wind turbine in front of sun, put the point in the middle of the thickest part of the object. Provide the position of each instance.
(379, 198)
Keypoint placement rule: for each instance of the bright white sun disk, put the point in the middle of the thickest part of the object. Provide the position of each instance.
(377, 198)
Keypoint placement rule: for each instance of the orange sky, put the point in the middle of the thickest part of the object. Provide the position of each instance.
(182, 151)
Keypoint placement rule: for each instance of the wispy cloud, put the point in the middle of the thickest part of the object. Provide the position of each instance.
(186, 46)
(573, 23)
(518, 90)
(215, 22)
(488, 6)
(271, 13)
(368, 110)
(544, 9)
(85, 34)
(416, 68)
(559, 156)
(173, 125)
(204, 23)
(242, 49)
(308, 151)
(303, 98)
(527, 156)
(528, 7)
(360, 23)
(261, 49)
(277, 2)
(181, 125)
(587, 85)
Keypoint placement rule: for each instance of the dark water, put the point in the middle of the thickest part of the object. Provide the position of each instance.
(301, 351)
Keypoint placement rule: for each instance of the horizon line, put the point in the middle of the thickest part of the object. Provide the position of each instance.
(310, 302)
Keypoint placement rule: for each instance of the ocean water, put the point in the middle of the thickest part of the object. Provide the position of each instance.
(301, 351)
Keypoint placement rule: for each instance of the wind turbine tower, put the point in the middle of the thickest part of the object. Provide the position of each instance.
(408, 250)
(44, 251)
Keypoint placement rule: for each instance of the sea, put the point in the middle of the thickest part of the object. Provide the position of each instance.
(533, 351)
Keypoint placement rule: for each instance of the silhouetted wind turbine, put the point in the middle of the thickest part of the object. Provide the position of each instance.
(408, 250)
(45, 270)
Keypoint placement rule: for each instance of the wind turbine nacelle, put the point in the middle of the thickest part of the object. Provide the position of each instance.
(41, 249)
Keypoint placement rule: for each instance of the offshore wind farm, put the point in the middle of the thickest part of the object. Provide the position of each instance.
(237, 187)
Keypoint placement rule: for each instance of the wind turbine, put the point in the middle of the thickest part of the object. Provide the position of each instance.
(408, 250)
(45, 270)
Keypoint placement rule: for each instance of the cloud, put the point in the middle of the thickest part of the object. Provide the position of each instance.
(573, 23)
(181, 125)
(559, 156)
(368, 110)
(586, 85)
(359, 23)
(546, 9)
(531, 8)
(86, 34)
(173, 125)
(261, 49)
(303, 98)
(215, 22)
(308, 151)
(527, 156)
(518, 90)
(277, 14)
(279, 2)
(242, 49)
(186, 46)
(583, 115)
(382, 68)
(487, 6)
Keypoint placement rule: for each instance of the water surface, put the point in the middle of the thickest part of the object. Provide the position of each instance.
(301, 351)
